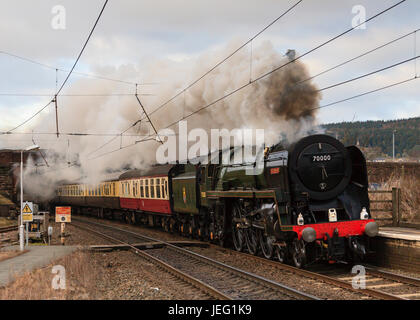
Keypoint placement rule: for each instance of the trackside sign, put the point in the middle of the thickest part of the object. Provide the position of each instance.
(62, 214)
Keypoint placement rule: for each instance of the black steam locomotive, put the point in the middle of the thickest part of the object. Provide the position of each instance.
(309, 202)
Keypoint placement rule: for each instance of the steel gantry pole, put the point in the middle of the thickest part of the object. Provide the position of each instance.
(21, 203)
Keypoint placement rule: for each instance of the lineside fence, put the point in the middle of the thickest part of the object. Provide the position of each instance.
(386, 206)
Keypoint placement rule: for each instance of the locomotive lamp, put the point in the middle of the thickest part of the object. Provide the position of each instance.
(332, 215)
(363, 214)
(300, 220)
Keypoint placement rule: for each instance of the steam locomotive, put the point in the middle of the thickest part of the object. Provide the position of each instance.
(308, 203)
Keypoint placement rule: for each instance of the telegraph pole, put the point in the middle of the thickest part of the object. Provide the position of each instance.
(393, 145)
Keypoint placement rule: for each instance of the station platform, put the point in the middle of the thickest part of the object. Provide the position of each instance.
(397, 248)
(36, 257)
(399, 233)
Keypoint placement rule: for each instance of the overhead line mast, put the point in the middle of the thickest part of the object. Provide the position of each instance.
(69, 74)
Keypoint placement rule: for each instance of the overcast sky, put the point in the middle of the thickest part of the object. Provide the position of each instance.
(137, 32)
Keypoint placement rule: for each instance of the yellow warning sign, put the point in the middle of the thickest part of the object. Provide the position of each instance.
(27, 212)
(26, 209)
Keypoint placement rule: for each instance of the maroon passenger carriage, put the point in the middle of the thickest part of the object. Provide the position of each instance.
(147, 192)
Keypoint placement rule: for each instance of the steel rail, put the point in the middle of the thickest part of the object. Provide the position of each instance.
(392, 276)
(241, 273)
(168, 268)
(7, 229)
(324, 278)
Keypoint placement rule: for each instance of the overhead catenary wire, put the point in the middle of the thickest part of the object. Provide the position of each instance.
(287, 63)
(71, 70)
(83, 48)
(263, 76)
(358, 57)
(74, 94)
(271, 71)
(368, 92)
(368, 74)
(210, 70)
(33, 116)
(7, 133)
(88, 75)
(320, 107)
(227, 57)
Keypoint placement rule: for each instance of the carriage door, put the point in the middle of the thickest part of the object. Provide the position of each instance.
(202, 182)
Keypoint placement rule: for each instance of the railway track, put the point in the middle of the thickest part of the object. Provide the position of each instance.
(217, 279)
(8, 229)
(344, 281)
(201, 289)
(379, 284)
(400, 286)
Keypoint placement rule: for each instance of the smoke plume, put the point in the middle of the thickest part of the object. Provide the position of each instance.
(274, 103)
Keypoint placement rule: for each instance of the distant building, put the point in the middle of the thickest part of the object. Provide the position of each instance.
(10, 176)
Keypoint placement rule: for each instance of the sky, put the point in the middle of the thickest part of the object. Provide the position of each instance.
(132, 35)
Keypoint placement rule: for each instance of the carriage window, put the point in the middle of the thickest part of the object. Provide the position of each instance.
(147, 188)
(152, 188)
(158, 188)
(134, 189)
(166, 189)
(141, 189)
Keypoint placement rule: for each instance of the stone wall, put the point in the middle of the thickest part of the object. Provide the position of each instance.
(396, 254)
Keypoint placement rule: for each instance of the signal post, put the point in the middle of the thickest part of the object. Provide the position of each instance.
(63, 216)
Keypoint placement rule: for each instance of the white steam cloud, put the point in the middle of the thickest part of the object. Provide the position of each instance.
(274, 103)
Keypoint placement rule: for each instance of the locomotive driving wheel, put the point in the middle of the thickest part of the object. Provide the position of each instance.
(298, 253)
(280, 253)
(265, 244)
(251, 239)
(237, 231)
